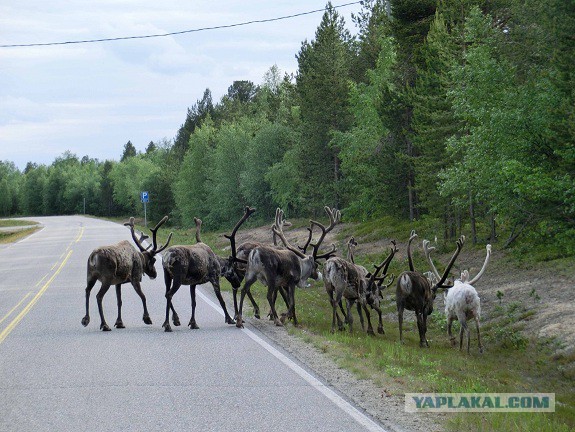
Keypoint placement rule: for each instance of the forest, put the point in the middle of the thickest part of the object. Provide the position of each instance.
(457, 111)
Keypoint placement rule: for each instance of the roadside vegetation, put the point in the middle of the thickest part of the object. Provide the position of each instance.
(11, 230)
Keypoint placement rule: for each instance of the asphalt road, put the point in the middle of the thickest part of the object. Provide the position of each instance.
(56, 375)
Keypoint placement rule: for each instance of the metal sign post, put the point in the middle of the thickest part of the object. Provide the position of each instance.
(145, 198)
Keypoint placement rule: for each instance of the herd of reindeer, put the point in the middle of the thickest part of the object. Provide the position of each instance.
(281, 269)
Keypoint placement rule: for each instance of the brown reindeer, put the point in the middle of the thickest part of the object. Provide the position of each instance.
(416, 292)
(345, 279)
(118, 264)
(191, 265)
(285, 268)
(235, 268)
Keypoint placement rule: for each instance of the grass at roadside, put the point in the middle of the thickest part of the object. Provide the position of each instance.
(17, 233)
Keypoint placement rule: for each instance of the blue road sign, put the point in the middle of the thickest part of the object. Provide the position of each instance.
(145, 197)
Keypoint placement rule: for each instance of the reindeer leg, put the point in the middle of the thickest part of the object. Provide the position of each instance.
(343, 312)
(478, 336)
(216, 285)
(175, 282)
(119, 324)
(91, 283)
(249, 281)
(367, 315)
(192, 324)
(400, 307)
(99, 297)
(292, 305)
(334, 302)
(360, 315)
(422, 327)
(254, 305)
(273, 313)
(138, 289)
(449, 330)
(380, 325)
(235, 295)
(349, 304)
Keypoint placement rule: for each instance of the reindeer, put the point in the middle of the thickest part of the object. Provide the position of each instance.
(285, 268)
(118, 264)
(347, 279)
(462, 302)
(234, 269)
(417, 293)
(191, 265)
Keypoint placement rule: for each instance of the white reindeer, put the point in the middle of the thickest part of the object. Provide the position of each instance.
(462, 302)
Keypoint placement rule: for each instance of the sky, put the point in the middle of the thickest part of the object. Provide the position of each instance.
(91, 99)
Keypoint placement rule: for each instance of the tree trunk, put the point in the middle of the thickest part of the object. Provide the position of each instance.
(472, 216)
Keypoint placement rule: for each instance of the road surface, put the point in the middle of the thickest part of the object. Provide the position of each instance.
(56, 375)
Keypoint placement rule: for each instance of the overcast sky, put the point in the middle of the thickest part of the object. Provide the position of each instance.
(92, 98)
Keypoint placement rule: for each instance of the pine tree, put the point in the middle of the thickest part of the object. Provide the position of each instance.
(323, 88)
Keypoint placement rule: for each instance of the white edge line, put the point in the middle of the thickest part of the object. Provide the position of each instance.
(357, 415)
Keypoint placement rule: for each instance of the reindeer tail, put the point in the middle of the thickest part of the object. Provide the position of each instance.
(405, 284)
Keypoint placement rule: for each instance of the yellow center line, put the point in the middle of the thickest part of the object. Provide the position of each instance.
(15, 307)
(79, 235)
(32, 302)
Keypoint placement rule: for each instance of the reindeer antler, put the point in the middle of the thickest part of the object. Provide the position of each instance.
(427, 250)
(478, 276)
(412, 236)
(277, 229)
(155, 250)
(248, 211)
(282, 223)
(351, 245)
(458, 246)
(384, 265)
(334, 218)
(138, 242)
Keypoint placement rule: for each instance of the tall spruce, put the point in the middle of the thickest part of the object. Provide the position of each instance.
(323, 88)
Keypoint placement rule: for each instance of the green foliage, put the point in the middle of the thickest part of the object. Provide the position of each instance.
(129, 180)
(322, 85)
(225, 196)
(191, 186)
(265, 149)
(10, 180)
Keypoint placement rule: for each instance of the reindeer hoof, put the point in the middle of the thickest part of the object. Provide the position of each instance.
(176, 320)
(104, 327)
(229, 320)
(278, 323)
(192, 324)
(147, 319)
(167, 328)
(257, 314)
(85, 320)
(380, 330)
(119, 324)
(239, 322)
(371, 332)
(453, 342)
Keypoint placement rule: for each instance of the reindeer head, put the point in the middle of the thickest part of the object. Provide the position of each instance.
(149, 256)
(312, 261)
(233, 268)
